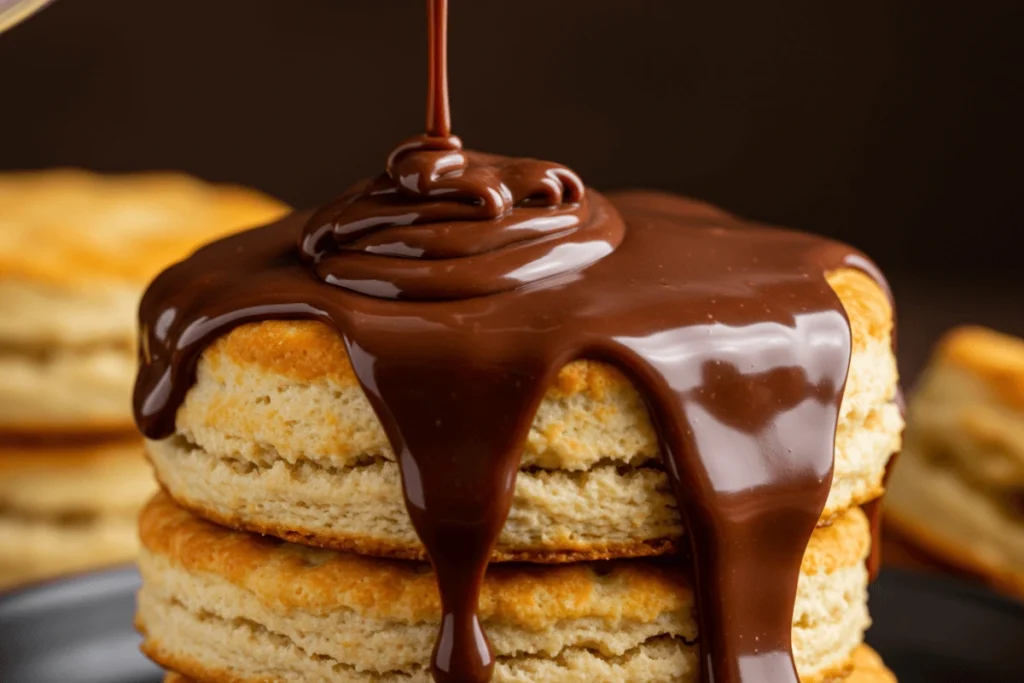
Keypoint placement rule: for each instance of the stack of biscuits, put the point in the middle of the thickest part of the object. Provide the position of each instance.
(958, 490)
(280, 549)
(76, 250)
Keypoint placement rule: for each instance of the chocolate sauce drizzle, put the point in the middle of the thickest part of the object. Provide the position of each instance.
(461, 283)
(443, 223)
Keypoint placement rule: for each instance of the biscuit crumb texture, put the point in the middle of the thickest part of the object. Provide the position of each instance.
(216, 601)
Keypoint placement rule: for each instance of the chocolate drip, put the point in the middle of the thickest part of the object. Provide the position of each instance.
(439, 113)
(461, 284)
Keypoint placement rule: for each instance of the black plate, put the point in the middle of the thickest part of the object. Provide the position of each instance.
(928, 630)
(74, 631)
(937, 630)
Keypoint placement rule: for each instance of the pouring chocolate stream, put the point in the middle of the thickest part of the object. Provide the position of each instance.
(462, 282)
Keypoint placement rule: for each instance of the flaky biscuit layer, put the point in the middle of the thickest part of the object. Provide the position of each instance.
(70, 391)
(37, 548)
(220, 597)
(602, 512)
(74, 479)
(69, 508)
(867, 668)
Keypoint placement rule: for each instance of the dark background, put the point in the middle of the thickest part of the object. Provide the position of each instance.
(894, 125)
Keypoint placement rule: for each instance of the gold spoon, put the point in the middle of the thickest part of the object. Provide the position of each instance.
(14, 11)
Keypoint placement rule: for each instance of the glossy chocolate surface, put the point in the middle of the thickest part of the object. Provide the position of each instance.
(461, 283)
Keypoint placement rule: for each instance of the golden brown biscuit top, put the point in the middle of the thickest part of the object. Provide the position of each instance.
(62, 226)
(309, 351)
(996, 358)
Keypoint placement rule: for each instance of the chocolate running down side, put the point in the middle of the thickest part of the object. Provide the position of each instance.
(461, 283)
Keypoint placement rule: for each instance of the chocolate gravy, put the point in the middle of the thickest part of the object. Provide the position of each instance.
(461, 283)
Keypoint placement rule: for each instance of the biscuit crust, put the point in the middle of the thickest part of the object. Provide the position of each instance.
(996, 358)
(213, 597)
(98, 228)
(867, 668)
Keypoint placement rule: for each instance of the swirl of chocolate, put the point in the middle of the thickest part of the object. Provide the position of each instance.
(443, 223)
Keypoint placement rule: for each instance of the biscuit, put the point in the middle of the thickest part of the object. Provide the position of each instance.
(76, 251)
(277, 437)
(958, 488)
(867, 668)
(67, 509)
(222, 605)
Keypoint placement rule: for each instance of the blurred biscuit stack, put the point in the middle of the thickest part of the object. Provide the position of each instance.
(958, 490)
(76, 251)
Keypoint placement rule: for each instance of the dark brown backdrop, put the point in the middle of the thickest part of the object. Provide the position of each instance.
(895, 124)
